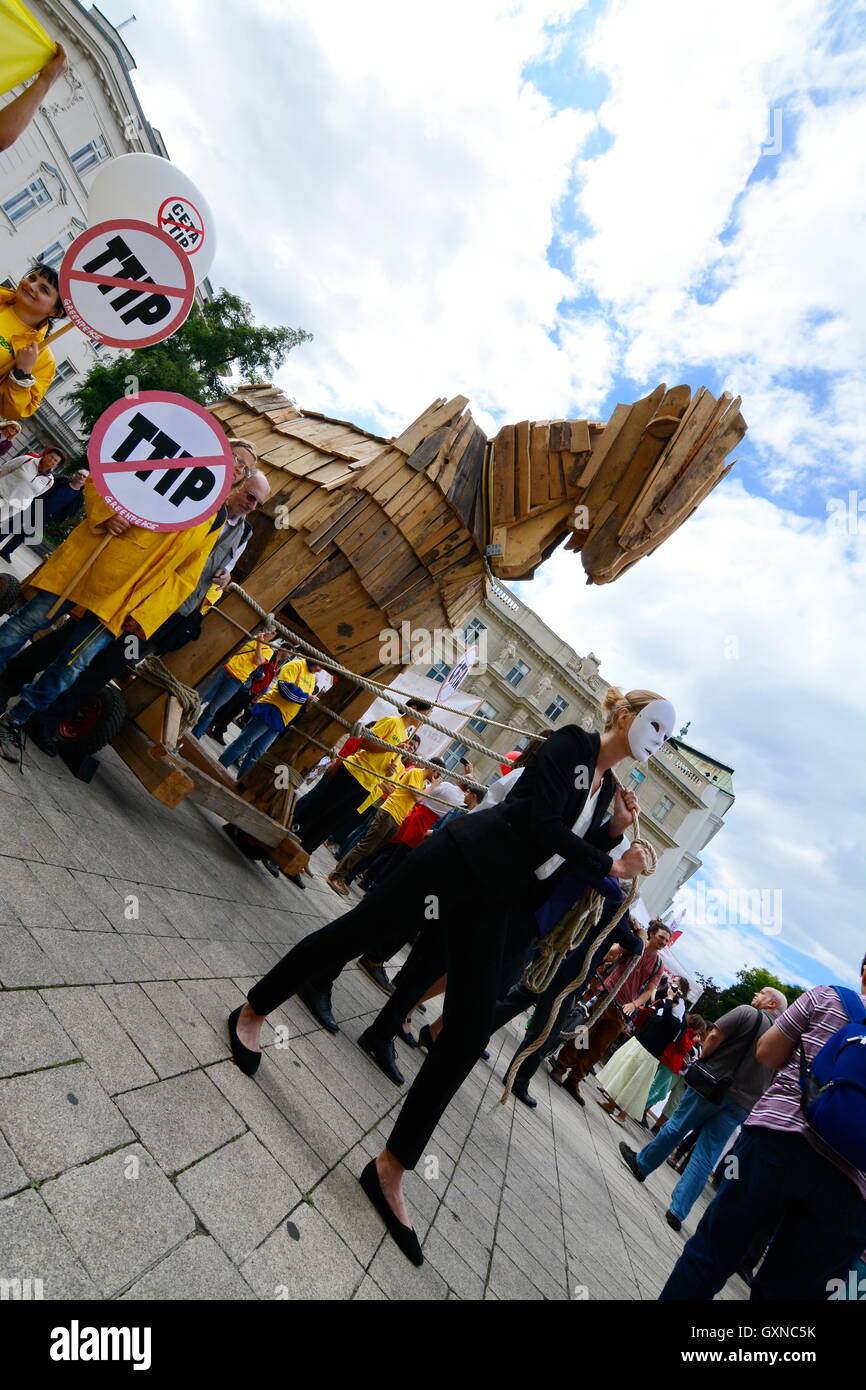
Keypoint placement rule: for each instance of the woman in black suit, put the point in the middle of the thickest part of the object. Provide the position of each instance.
(479, 878)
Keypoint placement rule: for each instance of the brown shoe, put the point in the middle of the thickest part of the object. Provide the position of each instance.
(338, 884)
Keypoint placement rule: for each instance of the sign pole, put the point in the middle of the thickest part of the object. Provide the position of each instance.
(61, 598)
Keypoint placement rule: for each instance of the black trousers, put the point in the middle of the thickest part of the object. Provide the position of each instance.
(470, 934)
(322, 812)
(230, 711)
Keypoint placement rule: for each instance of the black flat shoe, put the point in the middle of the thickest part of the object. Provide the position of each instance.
(318, 1001)
(425, 1037)
(246, 1059)
(525, 1097)
(272, 867)
(403, 1236)
(407, 1037)
(383, 1055)
(297, 881)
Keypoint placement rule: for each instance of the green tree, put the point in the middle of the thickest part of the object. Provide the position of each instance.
(707, 1003)
(748, 982)
(218, 337)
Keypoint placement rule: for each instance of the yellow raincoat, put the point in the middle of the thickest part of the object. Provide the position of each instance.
(17, 402)
(144, 574)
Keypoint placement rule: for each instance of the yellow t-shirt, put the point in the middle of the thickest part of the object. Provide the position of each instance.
(296, 673)
(244, 662)
(366, 767)
(400, 802)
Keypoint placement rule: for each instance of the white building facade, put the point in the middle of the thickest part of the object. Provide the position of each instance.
(90, 115)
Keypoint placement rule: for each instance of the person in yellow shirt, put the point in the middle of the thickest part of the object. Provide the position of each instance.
(291, 692)
(27, 366)
(229, 679)
(398, 802)
(320, 812)
(132, 586)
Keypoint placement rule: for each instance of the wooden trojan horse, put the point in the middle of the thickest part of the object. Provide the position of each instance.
(362, 534)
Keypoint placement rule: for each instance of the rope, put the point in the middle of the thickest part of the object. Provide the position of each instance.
(568, 934)
(156, 673)
(330, 664)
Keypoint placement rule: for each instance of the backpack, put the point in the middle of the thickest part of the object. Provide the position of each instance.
(833, 1089)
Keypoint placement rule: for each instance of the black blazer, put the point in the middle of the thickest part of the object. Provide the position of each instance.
(508, 842)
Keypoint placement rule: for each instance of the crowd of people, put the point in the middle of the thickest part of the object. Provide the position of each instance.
(469, 880)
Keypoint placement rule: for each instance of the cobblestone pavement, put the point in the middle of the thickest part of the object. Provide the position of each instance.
(136, 1161)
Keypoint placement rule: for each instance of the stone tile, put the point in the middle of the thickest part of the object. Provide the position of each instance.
(122, 962)
(120, 1214)
(103, 895)
(30, 1035)
(181, 1120)
(310, 1263)
(150, 1032)
(150, 919)
(474, 1252)
(78, 907)
(398, 1279)
(12, 1175)
(158, 960)
(187, 1022)
(188, 964)
(507, 1281)
(341, 1201)
(100, 1039)
(198, 1269)
(34, 1247)
(369, 1292)
(269, 1125)
(56, 1118)
(31, 900)
(454, 1270)
(240, 1194)
(298, 1096)
(73, 954)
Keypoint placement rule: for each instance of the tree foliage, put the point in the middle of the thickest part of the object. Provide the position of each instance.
(219, 338)
(749, 981)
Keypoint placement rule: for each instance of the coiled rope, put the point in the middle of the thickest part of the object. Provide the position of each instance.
(568, 934)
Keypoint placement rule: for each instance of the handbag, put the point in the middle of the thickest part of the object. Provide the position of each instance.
(712, 1087)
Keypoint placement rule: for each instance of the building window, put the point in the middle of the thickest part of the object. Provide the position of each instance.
(522, 743)
(438, 672)
(556, 708)
(517, 673)
(636, 778)
(64, 371)
(53, 254)
(472, 629)
(453, 755)
(70, 413)
(662, 809)
(89, 155)
(27, 201)
(479, 720)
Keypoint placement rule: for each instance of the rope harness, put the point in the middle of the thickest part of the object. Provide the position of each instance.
(569, 933)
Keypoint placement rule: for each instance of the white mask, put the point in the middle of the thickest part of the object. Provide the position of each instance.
(650, 728)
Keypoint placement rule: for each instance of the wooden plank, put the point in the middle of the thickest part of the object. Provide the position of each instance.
(539, 466)
(172, 721)
(350, 506)
(162, 777)
(579, 440)
(428, 449)
(672, 462)
(466, 487)
(522, 470)
(502, 472)
(617, 457)
(209, 794)
(603, 442)
(525, 542)
(443, 414)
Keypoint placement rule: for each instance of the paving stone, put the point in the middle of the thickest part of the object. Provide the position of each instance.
(12, 1175)
(102, 894)
(73, 954)
(507, 1281)
(398, 1279)
(341, 1201)
(148, 1029)
(298, 1096)
(49, 1131)
(32, 902)
(454, 1270)
(198, 1269)
(100, 1038)
(310, 1263)
(187, 1022)
(474, 1252)
(180, 1120)
(369, 1292)
(35, 1248)
(123, 964)
(30, 1035)
(159, 962)
(120, 1214)
(79, 908)
(269, 1125)
(240, 1194)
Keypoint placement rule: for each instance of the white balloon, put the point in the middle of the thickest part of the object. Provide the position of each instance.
(146, 188)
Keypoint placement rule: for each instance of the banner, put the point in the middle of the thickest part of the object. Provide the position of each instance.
(25, 47)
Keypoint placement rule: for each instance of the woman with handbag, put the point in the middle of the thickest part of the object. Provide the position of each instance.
(720, 1091)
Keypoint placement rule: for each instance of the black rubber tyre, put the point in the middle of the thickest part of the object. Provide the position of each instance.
(9, 592)
(99, 720)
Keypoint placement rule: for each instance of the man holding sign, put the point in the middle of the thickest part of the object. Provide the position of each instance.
(120, 576)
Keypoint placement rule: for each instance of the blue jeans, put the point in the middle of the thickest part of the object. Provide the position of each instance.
(813, 1214)
(716, 1124)
(85, 637)
(215, 692)
(257, 736)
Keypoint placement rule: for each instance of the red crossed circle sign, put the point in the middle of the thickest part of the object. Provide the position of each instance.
(135, 454)
(183, 222)
(126, 284)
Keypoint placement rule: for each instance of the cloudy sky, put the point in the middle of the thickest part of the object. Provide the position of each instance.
(551, 208)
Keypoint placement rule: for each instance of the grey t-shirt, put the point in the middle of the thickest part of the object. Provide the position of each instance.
(751, 1079)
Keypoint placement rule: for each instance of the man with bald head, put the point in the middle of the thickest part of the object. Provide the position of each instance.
(730, 1056)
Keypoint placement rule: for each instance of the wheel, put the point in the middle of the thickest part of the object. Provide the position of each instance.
(9, 592)
(96, 723)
